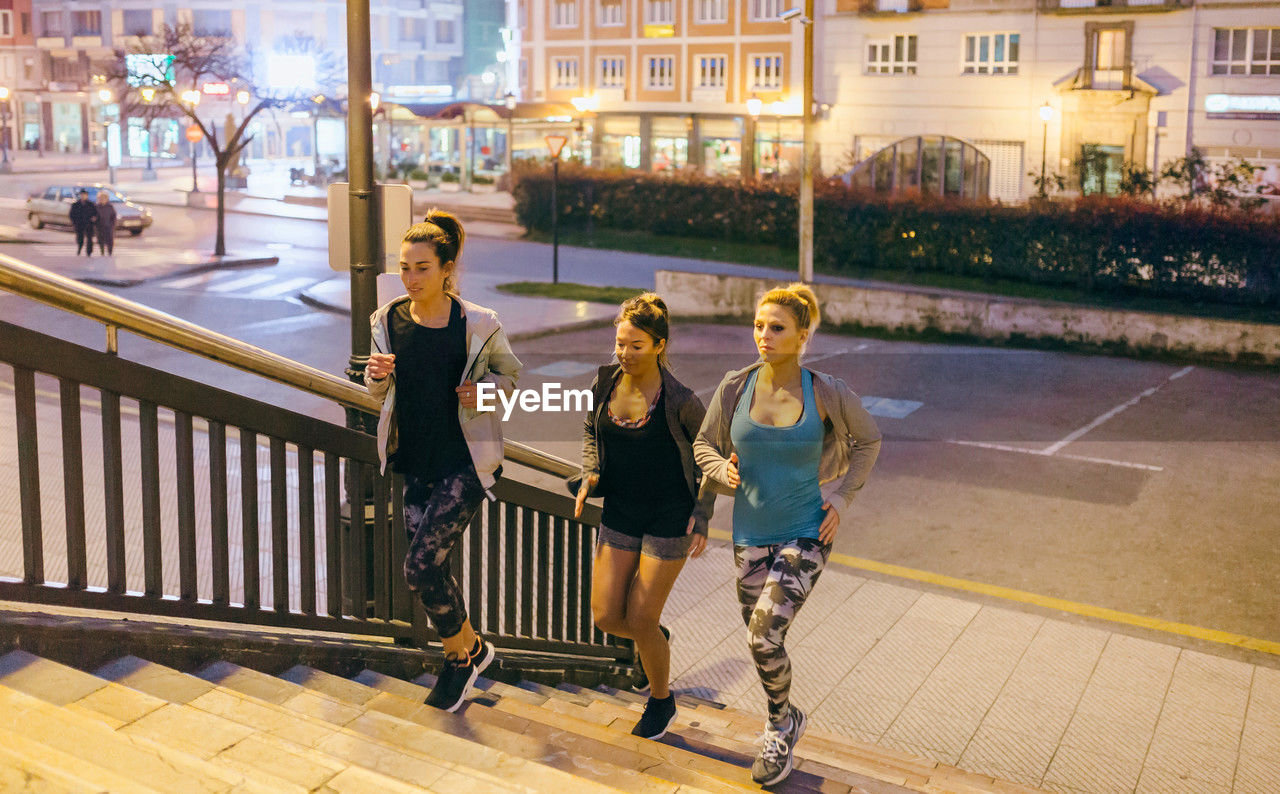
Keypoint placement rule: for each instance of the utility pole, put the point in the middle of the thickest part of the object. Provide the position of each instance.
(808, 152)
(363, 214)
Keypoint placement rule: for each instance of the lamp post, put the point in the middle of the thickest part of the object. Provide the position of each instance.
(6, 167)
(1046, 114)
(776, 106)
(555, 143)
(805, 18)
(318, 99)
(754, 106)
(192, 98)
(510, 101)
(148, 94)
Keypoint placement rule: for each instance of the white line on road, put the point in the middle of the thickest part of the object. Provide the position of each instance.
(240, 283)
(288, 323)
(278, 289)
(199, 278)
(1045, 454)
(1052, 448)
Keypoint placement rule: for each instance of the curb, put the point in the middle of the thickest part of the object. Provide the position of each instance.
(230, 209)
(198, 268)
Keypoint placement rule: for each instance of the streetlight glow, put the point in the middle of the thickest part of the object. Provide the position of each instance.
(754, 106)
(104, 95)
(191, 97)
(148, 93)
(375, 99)
(242, 97)
(4, 93)
(1046, 112)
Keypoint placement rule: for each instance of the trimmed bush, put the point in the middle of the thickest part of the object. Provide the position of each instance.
(1096, 244)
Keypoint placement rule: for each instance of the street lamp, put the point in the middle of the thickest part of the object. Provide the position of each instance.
(777, 107)
(555, 143)
(805, 18)
(510, 101)
(318, 99)
(5, 166)
(754, 106)
(1046, 115)
(148, 94)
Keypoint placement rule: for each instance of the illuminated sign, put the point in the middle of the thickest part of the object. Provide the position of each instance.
(1242, 106)
(664, 31)
(216, 89)
(154, 69)
(293, 73)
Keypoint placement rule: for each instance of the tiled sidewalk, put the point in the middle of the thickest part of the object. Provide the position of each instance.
(1031, 699)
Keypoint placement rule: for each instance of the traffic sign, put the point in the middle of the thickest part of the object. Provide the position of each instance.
(394, 206)
(194, 134)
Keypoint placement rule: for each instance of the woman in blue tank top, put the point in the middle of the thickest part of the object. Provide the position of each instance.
(793, 446)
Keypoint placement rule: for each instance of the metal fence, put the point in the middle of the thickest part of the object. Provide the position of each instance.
(141, 491)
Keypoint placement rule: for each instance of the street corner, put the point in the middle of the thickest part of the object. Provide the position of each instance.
(331, 295)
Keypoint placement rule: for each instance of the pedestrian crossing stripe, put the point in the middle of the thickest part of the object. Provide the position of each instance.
(890, 408)
(264, 285)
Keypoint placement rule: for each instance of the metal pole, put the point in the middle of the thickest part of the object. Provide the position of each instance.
(1044, 155)
(195, 188)
(364, 218)
(5, 166)
(807, 153)
(555, 221)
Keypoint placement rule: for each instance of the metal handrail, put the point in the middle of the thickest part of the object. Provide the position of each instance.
(35, 283)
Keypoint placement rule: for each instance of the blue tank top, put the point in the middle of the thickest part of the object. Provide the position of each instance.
(778, 499)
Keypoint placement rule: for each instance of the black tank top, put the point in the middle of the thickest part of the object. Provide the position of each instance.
(646, 493)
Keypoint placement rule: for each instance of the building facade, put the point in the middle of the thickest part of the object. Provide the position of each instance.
(1046, 81)
(20, 72)
(417, 55)
(665, 84)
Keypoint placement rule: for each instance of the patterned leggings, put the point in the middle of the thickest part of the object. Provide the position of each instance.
(773, 583)
(436, 513)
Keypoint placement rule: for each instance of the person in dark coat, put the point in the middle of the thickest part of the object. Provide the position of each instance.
(106, 224)
(83, 218)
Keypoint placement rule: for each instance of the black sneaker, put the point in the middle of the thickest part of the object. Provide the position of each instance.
(658, 716)
(775, 762)
(641, 682)
(458, 675)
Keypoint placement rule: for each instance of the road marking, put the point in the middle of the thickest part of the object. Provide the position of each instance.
(199, 278)
(288, 323)
(1052, 448)
(889, 407)
(280, 288)
(1045, 454)
(1049, 602)
(240, 283)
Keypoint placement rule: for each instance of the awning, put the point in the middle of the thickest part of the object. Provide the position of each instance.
(488, 114)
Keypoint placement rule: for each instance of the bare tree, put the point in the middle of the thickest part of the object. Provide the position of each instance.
(175, 63)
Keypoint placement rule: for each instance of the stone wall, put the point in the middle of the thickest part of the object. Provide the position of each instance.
(986, 317)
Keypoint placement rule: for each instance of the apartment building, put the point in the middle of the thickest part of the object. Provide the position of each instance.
(19, 70)
(417, 54)
(665, 84)
(1036, 81)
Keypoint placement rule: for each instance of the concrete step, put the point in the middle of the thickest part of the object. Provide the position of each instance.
(488, 766)
(591, 761)
(330, 752)
(549, 729)
(41, 768)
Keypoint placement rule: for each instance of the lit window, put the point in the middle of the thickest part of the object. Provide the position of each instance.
(613, 72)
(711, 71)
(766, 72)
(661, 73)
(564, 73)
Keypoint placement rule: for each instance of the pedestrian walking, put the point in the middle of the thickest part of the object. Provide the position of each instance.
(106, 224)
(430, 349)
(84, 216)
(794, 446)
(637, 452)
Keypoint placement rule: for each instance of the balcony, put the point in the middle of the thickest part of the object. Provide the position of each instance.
(1109, 6)
(51, 42)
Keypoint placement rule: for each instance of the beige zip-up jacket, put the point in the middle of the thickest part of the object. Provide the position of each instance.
(489, 359)
(850, 438)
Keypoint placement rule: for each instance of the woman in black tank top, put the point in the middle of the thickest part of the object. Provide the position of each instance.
(637, 452)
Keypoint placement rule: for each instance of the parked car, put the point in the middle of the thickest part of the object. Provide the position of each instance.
(52, 208)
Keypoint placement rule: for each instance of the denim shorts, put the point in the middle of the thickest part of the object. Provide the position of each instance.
(676, 548)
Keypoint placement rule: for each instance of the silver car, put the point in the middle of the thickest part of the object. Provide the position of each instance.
(53, 207)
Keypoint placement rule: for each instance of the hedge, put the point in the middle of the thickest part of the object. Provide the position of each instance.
(1097, 244)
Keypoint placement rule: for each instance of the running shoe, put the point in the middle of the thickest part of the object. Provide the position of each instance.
(775, 760)
(458, 676)
(657, 718)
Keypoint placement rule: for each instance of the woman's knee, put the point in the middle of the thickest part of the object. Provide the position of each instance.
(609, 619)
(641, 622)
(764, 645)
(422, 576)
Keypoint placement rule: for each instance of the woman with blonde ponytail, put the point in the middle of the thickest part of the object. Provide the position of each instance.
(637, 452)
(430, 349)
(793, 446)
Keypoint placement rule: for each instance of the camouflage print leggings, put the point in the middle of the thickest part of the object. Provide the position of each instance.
(436, 513)
(773, 583)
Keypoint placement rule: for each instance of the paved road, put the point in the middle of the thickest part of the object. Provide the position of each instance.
(1144, 487)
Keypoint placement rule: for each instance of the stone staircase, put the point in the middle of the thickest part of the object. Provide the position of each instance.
(137, 726)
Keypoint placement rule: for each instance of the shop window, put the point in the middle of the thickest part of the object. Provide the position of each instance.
(711, 11)
(991, 53)
(711, 71)
(766, 72)
(892, 56)
(564, 14)
(564, 73)
(611, 13)
(1251, 51)
(661, 73)
(613, 72)
(766, 10)
(137, 22)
